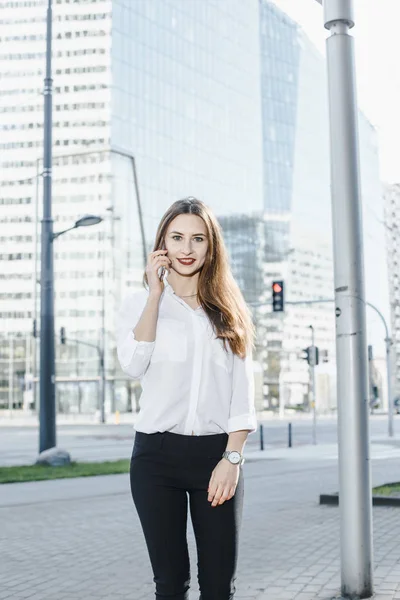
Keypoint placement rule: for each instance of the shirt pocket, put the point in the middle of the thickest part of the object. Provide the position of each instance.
(219, 355)
(171, 341)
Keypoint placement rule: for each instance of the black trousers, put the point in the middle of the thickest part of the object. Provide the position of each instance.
(166, 468)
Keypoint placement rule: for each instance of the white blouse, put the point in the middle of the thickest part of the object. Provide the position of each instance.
(190, 384)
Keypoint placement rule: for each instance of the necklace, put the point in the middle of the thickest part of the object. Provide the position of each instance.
(189, 296)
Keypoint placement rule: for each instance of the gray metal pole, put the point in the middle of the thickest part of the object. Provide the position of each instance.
(47, 416)
(388, 343)
(10, 374)
(312, 367)
(103, 388)
(113, 218)
(351, 346)
(370, 382)
(28, 368)
(35, 295)
(103, 332)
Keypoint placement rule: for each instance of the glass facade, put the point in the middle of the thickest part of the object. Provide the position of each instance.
(280, 55)
(186, 102)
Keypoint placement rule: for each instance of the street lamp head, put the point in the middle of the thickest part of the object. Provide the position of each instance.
(88, 220)
(82, 222)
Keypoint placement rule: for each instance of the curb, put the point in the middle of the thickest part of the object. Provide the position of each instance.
(333, 500)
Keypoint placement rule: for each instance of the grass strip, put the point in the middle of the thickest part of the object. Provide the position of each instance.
(389, 489)
(75, 469)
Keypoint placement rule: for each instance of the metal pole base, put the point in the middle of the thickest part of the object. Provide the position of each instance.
(54, 457)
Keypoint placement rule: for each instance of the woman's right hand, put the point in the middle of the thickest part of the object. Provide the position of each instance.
(156, 260)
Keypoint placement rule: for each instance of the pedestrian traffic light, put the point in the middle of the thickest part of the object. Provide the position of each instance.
(63, 338)
(277, 296)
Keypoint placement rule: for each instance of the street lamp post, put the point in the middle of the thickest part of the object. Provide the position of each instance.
(351, 345)
(47, 437)
(47, 401)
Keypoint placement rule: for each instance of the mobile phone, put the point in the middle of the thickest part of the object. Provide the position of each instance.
(162, 269)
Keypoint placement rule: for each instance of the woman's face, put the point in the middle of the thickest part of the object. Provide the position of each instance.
(186, 237)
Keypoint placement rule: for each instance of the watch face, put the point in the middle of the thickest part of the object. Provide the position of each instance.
(234, 457)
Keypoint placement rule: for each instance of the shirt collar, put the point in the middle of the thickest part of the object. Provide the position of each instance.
(169, 290)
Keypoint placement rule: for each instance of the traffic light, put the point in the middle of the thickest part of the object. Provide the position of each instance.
(311, 355)
(277, 296)
(34, 329)
(63, 338)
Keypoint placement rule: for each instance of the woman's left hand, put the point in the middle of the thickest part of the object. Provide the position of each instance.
(223, 482)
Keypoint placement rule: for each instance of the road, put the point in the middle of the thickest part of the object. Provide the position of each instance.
(19, 445)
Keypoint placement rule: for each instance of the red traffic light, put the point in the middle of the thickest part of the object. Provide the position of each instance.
(277, 296)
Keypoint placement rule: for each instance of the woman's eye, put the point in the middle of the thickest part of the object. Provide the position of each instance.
(179, 236)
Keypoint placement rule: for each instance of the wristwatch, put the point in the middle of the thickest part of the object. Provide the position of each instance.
(233, 456)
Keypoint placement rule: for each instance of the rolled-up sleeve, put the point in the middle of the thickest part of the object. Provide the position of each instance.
(242, 414)
(133, 355)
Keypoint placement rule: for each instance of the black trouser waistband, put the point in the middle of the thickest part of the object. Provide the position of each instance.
(215, 443)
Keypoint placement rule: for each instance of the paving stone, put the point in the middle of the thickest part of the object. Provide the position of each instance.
(92, 548)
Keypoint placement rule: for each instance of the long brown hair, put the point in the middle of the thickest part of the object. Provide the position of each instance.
(218, 292)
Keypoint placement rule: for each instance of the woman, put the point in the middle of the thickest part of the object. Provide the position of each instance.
(189, 339)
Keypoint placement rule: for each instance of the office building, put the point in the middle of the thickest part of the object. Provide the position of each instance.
(154, 101)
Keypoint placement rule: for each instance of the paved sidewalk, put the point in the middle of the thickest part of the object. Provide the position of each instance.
(380, 450)
(81, 539)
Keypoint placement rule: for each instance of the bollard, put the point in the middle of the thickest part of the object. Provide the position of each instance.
(261, 437)
(117, 421)
(290, 434)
